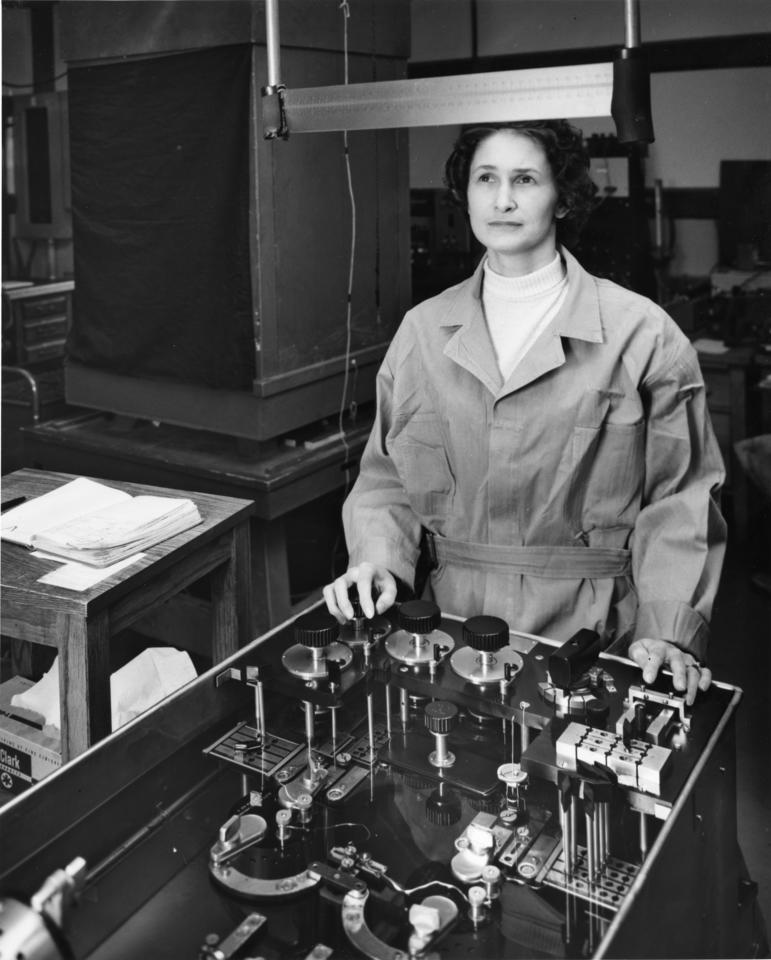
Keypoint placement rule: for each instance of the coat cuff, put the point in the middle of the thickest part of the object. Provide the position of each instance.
(674, 621)
(386, 553)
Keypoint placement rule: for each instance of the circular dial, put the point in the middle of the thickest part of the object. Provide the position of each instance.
(419, 616)
(486, 634)
(316, 629)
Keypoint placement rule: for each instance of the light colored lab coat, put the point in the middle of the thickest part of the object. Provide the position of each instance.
(579, 493)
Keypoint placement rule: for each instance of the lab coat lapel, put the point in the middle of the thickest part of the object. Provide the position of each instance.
(578, 318)
(546, 354)
(470, 346)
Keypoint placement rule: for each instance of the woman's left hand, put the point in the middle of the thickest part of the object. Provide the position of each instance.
(687, 673)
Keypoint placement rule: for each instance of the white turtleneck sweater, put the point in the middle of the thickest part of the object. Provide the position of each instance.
(518, 309)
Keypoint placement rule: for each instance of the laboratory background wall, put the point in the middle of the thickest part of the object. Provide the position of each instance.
(700, 116)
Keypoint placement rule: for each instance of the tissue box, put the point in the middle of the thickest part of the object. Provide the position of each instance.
(27, 754)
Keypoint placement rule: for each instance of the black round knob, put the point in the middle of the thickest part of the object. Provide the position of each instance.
(486, 633)
(597, 712)
(419, 616)
(440, 716)
(316, 629)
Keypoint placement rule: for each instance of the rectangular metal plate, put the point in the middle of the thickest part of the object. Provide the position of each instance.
(272, 752)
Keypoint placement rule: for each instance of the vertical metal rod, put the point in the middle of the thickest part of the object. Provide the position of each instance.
(605, 831)
(309, 729)
(404, 708)
(596, 841)
(257, 715)
(567, 818)
(371, 725)
(244, 784)
(643, 835)
(589, 823)
(565, 840)
(272, 43)
(513, 729)
(388, 709)
(632, 22)
(333, 717)
(600, 836)
(524, 728)
(261, 707)
(573, 832)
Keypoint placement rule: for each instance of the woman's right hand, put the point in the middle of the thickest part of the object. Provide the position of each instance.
(365, 576)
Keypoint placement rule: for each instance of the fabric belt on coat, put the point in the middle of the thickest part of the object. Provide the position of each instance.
(552, 562)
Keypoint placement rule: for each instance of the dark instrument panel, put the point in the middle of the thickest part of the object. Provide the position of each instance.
(413, 786)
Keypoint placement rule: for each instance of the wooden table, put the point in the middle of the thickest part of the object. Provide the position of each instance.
(81, 625)
(278, 480)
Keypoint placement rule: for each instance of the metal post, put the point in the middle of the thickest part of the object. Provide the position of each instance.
(643, 835)
(371, 726)
(632, 23)
(388, 709)
(273, 46)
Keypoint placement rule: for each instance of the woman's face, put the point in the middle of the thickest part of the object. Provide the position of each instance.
(512, 202)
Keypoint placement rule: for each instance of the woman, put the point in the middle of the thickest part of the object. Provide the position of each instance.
(545, 429)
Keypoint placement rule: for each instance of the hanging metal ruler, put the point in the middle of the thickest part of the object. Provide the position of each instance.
(546, 93)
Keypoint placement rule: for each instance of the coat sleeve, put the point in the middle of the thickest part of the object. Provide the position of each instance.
(380, 525)
(679, 538)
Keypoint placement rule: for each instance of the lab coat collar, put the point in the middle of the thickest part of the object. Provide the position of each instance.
(471, 346)
(579, 316)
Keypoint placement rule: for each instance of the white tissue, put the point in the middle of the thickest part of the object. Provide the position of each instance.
(43, 697)
(142, 682)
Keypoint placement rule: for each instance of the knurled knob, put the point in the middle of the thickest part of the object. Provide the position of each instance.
(443, 809)
(316, 629)
(419, 616)
(486, 634)
(440, 716)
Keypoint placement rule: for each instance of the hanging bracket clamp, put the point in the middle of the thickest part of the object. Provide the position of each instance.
(275, 126)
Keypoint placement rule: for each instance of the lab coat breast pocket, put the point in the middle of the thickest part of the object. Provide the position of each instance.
(608, 453)
(419, 455)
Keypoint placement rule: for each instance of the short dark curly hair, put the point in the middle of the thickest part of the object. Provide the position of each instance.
(568, 158)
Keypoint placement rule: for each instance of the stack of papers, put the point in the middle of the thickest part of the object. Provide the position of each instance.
(91, 523)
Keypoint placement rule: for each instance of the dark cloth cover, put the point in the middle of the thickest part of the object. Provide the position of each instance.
(160, 198)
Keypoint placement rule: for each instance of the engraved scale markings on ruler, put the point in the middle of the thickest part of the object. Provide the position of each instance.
(583, 90)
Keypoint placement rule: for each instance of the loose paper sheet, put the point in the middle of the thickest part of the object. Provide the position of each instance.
(80, 576)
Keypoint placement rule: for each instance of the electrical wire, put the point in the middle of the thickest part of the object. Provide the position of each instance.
(346, 12)
(345, 8)
(35, 86)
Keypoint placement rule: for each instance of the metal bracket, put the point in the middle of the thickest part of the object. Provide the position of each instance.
(232, 673)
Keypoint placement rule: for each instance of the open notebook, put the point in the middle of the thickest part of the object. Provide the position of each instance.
(96, 524)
